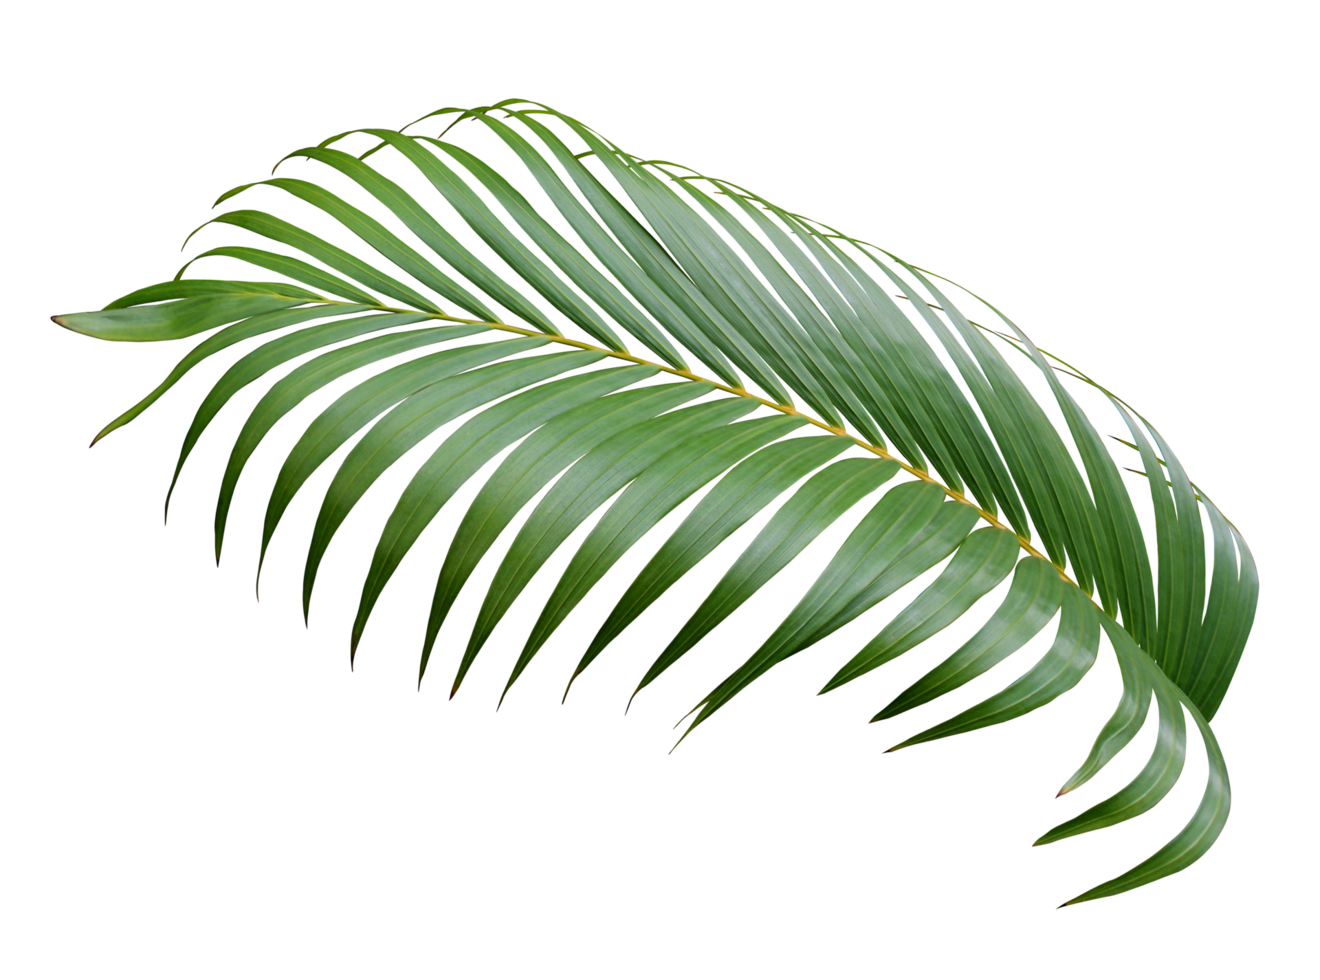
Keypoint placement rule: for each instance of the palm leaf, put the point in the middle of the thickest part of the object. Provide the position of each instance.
(642, 336)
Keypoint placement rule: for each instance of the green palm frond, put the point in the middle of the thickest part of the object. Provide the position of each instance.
(642, 335)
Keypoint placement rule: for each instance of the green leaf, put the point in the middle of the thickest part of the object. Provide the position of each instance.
(703, 270)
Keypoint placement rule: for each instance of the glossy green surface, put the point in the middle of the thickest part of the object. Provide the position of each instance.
(774, 366)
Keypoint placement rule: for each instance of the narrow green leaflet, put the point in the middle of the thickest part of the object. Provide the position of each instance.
(1127, 718)
(304, 272)
(354, 409)
(656, 491)
(1173, 593)
(380, 238)
(1180, 630)
(590, 482)
(271, 355)
(202, 310)
(576, 266)
(746, 491)
(1150, 786)
(464, 452)
(411, 421)
(1126, 581)
(253, 326)
(1032, 601)
(816, 505)
(304, 380)
(1211, 814)
(430, 231)
(1074, 651)
(981, 562)
(901, 525)
(526, 470)
(1224, 643)
(478, 217)
(279, 230)
(638, 262)
(1052, 489)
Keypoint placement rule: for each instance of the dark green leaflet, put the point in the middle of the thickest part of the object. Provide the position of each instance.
(981, 562)
(408, 423)
(590, 482)
(950, 425)
(271, 355)
(902, 525)
(1122, 548)
(181, 318)
(1211, 814)
(537, 461)
(251, 327)
(1183, 623)
(1032, 601)
(677, 305)
(1224, 641)
(430, 231)
(464, 452)
(304, 272)
(663, 486)
(615, 303)
(814, 507)
(478, 217)
(1150, 786)
(748, 488)
(220, 288)
(358, 406)
(659, 265)
(302, 381)
(278, 230)
(1067, 661)
(1127, 718)
(378, 237)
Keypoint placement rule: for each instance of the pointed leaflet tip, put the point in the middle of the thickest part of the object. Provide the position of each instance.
(568, 688)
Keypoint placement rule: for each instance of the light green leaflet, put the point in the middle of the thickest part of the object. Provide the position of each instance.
(565, 248)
